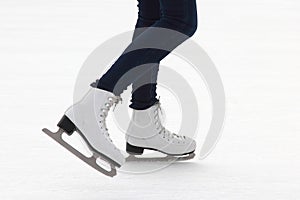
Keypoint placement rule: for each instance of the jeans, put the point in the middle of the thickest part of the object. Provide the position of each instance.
(161, 23)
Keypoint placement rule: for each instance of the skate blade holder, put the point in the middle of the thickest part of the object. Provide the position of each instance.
(91, 161)
(167, 158)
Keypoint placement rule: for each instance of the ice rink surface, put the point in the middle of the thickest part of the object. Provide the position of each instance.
(255, 45)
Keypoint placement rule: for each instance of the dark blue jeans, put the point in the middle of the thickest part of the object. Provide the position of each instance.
(162, 25)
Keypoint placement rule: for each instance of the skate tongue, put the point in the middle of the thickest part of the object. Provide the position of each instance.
(117, 100)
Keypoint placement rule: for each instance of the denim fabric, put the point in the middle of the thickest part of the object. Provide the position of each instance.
(143, 62)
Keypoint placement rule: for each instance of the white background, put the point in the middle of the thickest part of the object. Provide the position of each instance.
(255, 45)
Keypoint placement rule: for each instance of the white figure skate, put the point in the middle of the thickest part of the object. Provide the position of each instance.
(146, 131)
(87, 117)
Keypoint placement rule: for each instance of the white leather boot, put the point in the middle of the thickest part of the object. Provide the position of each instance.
(146, 131)
(87, 117)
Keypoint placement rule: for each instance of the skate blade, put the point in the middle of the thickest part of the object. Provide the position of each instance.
(134, 158)
(91, 161)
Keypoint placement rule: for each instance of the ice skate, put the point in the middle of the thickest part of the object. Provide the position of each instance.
(146, 131)
(87, 117)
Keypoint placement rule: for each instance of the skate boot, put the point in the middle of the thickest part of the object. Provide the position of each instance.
(146, 131)
(87, 118)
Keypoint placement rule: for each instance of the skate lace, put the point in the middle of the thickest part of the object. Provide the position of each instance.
(111, 101)
(161, 129)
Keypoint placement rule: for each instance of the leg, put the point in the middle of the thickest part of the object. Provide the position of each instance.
(144, 95)
(146, 130)
(177, 15)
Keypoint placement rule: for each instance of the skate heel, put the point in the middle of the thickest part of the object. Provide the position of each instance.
(134, 150)
(67, 125)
